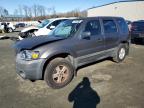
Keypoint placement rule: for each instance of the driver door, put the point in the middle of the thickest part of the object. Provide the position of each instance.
(89, 47)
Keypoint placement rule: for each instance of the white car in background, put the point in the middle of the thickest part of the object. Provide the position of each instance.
(43, 28)
(10, 26)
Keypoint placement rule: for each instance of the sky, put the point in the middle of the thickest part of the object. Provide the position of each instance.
(60, 5)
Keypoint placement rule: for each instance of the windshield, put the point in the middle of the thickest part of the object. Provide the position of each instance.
(43, 23)
(66, 28)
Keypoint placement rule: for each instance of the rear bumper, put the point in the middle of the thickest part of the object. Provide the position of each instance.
(31, 70)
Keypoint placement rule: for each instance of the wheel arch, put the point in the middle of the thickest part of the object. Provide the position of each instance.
(127, 43)
(68, 56)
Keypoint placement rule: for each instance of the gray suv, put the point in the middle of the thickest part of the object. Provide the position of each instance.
(71, 44)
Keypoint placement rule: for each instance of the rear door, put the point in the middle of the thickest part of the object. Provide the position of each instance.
(111, 33)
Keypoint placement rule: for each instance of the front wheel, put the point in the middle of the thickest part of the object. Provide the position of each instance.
(59, 72)
(30, 34)
(10, 30)
(120, 53)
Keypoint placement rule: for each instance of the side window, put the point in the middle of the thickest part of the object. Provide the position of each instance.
(55, 23)
(122, 25)
(93, 27)
(109, 26)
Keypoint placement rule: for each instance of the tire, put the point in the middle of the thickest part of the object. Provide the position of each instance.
(121, 53)
(10, 30)
(55, 77)
(25, 34)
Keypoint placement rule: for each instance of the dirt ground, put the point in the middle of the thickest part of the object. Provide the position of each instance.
(104, 84)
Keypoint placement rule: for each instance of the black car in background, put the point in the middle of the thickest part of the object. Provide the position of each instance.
(137, 30)
(20, 25)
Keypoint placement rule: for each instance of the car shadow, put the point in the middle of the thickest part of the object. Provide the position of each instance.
(13, 38)
(17, 31)
(137, 42)
(95, 62)
(84, 96)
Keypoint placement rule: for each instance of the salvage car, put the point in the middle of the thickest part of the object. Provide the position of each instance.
(71, 44)
(43, 28)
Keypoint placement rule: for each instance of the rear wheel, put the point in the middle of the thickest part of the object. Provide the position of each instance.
(121, 53)
(59, 72)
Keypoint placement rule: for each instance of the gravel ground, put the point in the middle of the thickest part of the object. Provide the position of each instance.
(111, 85)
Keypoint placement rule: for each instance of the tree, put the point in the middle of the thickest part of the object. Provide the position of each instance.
(29, 12)
(3, 12)
(15, 12)
(53, 11)
(41, 10)
(34, 9)
(26, 10)
(20, 10)
(38, 10)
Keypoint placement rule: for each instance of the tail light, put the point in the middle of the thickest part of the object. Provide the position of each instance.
(130, 27)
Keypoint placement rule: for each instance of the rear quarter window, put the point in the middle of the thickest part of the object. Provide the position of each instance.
(122, 25)
(93, 27)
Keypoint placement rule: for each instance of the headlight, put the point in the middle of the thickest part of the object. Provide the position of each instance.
(29, 55)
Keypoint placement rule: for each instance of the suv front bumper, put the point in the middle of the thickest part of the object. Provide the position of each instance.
(31, 70)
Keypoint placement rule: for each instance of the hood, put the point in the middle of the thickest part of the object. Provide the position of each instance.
(29, 28)
(42, 31)
(34, 42)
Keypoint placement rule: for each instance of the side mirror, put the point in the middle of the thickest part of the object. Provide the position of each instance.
(86, 35)
(52, 27)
